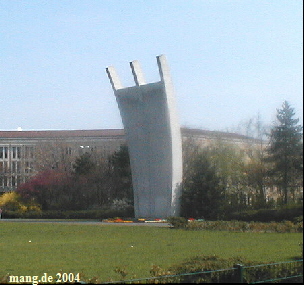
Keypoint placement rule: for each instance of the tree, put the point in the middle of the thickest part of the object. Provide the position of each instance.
(54, 154)
(89, 185)
(238, 168)
(256, 132)
(83, 164)
(47, 189)
(120, 173)
(255, 173)
(285, 152)
(230, 163)
(91, 181)
(202, 192)
(253, 128)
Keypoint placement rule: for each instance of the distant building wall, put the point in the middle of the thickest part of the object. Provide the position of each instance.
(25, 153)
(21, 150)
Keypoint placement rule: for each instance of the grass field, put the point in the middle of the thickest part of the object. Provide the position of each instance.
(96, 250)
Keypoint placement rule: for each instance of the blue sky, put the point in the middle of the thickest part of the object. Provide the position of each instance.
(230, 60)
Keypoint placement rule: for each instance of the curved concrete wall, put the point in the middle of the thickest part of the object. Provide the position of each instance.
(153, 135)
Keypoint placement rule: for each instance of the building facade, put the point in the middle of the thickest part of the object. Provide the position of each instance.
(24, 153)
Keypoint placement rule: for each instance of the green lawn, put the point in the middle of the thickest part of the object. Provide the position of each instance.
(96, 250)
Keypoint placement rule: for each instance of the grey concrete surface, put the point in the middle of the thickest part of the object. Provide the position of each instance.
(150, 120)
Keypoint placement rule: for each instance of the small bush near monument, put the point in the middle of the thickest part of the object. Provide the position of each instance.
(178, 222)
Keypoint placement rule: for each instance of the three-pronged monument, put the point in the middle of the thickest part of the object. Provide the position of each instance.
(153, 136)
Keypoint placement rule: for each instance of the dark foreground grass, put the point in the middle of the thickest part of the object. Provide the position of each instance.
(96, 250)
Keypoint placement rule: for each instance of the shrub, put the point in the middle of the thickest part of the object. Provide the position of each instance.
(220, 270)
(194, 226)
(240, 226)
(11, 201)
(268, 215)
(58, 214)
(208, 263)
(178, 222)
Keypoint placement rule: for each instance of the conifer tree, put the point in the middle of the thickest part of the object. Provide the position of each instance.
(202, 195)
(83, 164)
(120, 174)
(285, 152)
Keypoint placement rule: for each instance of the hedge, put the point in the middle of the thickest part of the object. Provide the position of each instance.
(268, 215)
(61, 214)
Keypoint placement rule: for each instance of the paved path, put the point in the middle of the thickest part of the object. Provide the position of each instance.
(89, 222)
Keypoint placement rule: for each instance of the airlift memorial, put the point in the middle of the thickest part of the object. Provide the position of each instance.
(152, 129)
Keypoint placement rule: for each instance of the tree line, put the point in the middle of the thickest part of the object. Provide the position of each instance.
(218, 179)
(221, 178)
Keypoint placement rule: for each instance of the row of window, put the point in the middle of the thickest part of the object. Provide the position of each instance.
(27, 152)
(15, 152)
(10, 181)
(16, 167)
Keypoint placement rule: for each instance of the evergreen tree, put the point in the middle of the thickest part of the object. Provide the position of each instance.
(202, 191)
(286, 152)
(120, 174)
(83, 164)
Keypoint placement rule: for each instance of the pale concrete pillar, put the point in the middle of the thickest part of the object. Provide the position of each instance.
(150, 120)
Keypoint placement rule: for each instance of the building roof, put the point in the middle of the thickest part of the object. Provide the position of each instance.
(106, 133)
(61, 133)
(219, 134)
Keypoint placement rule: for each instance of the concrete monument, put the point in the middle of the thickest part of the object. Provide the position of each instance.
(153, 136)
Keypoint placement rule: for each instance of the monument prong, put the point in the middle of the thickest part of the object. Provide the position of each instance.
(137, 73)
(163, 67)
(114, 78)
